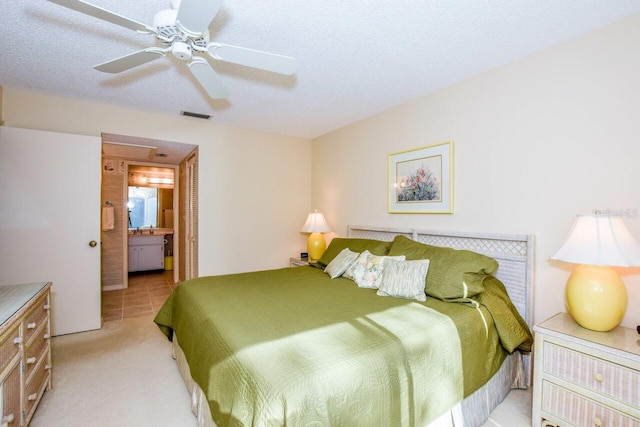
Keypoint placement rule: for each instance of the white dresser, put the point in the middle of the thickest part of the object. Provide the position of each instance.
(584, 378)
(25, 350)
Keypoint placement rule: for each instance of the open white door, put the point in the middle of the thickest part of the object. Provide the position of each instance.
(49, 215)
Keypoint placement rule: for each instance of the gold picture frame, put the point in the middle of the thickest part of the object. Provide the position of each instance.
(421, 180)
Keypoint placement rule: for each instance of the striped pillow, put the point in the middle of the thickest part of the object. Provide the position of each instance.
(404, 279)
(341, 263)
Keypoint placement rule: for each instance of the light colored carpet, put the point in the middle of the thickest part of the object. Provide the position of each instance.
(120, 375)
(514, 411)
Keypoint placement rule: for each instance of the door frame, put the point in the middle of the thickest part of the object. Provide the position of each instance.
(176, 215)
(190, 214)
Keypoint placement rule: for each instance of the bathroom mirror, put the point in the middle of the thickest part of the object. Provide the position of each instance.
(150, 197)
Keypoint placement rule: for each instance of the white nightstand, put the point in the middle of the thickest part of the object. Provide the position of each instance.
(298, 262)
(583, 377)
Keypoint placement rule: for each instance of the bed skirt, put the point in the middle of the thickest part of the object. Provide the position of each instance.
(473, 411)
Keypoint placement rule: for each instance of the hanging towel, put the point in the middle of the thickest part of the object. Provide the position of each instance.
(107, 218)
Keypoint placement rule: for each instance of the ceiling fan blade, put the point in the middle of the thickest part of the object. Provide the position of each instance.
(195, 16)
(105, 15)
(132, 60)
(208, 78)
(252, 58)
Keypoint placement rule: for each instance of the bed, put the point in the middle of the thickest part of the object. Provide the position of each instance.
(348, 342)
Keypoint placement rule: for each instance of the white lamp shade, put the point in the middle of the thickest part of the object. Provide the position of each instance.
(315, 224)
(600, 239)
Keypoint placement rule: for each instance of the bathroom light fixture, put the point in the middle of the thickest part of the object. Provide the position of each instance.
(160, 180)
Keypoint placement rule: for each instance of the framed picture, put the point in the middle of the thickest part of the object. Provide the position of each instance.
(421, 180)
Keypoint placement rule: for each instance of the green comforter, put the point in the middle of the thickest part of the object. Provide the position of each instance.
(294, 347)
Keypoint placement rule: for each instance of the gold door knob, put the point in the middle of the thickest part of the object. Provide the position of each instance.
(93, 243)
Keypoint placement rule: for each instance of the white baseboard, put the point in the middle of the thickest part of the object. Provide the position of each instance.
(114, 287)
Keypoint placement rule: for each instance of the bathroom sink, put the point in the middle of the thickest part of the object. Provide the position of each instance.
(150, 231)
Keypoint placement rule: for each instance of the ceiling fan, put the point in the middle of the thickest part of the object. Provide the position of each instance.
(183, 31)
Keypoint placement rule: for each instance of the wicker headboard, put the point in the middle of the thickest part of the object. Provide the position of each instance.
(514, 253)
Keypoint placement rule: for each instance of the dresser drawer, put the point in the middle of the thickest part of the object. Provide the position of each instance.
(36, 316)
(580, 411)
(36, 349)
(9, 346)
(35, 388)
(604, 377)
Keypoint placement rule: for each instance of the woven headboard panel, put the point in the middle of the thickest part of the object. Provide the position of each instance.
(514, 253)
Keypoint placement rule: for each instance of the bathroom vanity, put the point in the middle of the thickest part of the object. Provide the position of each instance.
(146, 252)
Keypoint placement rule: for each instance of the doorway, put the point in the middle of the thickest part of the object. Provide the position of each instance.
(152, 195)
(119, 152)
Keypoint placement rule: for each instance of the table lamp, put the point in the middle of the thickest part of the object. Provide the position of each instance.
(596, 296)
(316, 225)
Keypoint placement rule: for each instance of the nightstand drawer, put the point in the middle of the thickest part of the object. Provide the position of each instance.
(590, 372)
(580, 411)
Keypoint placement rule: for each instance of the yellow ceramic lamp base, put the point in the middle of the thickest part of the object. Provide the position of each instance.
(316, 246)
(596, 297)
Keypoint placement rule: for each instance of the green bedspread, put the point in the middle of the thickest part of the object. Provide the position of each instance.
(294, 347)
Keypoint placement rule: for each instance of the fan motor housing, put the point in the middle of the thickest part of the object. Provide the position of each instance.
(181, 50)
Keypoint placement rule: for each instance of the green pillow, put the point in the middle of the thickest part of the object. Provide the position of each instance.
(452, 273)
(376, 247)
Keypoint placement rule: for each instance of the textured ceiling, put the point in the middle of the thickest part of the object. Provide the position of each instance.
(355, 57)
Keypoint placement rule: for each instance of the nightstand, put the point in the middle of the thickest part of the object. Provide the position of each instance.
(298, 262)
(584, 377)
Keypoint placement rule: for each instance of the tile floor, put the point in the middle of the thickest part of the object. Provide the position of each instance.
(145, 295)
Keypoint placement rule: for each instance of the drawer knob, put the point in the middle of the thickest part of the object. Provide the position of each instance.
(47, 367)
(46, 306)
(8, 418)
(32, 397)
(599, 378)
(31, 325)
(17, 340)
(46, 336)
(31, 360)
(597, 422)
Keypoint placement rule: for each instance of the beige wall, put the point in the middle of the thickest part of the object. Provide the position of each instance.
(251, 207)
(113, 241)
(536, 142)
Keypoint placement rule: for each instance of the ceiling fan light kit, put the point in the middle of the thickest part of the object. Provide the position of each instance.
(183, 31)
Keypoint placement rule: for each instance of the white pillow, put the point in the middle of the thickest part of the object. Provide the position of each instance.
(405, 279)
(357, 269)
(375, 266)
(341, 263)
